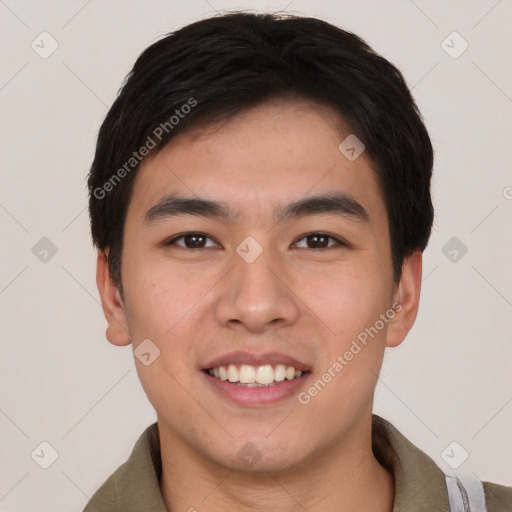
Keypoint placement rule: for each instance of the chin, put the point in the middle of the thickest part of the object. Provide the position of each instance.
(257, 455)
(254, 462)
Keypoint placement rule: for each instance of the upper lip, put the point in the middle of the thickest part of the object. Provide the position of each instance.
(256, 359)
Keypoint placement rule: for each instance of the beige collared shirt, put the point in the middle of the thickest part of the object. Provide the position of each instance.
(419, 482)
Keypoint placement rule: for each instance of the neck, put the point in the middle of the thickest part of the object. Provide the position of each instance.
(340, 478)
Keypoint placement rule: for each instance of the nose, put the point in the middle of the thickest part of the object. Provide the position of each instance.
(257, 296)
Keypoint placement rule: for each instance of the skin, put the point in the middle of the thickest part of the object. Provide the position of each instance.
(308, 302)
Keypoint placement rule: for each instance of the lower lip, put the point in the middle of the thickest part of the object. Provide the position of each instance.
(256, 396)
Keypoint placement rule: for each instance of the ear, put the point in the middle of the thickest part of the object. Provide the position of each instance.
(406, 298)
(113, 306)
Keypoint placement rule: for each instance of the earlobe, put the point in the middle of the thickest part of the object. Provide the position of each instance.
(112, 303)
(407, 295)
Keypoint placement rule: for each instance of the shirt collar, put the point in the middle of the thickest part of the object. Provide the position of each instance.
(419, 483)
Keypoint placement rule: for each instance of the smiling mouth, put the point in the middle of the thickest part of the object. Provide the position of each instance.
(255, 376)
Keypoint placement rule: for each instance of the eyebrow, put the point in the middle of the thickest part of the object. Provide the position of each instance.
(338, 203)
(173, 205)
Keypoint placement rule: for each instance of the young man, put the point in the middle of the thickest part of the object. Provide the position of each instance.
(260, 199)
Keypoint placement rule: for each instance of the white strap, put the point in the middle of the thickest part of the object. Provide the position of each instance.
(465, 493)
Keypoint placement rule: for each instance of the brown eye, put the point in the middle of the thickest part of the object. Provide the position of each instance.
(192, 241)
(318, 241)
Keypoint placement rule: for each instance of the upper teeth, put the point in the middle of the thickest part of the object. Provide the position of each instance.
(246, 374)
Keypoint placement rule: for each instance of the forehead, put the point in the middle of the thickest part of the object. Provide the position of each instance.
(267, 155)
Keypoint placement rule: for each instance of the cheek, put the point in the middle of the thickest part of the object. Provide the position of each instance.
(161, 300)
(352, 353)
(161, 296)
(348, 299)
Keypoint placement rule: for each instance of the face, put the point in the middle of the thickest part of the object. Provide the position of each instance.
(257, 251)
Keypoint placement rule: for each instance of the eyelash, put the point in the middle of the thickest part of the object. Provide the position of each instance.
(337, 241)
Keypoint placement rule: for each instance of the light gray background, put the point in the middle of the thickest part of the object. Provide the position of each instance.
(63, 383)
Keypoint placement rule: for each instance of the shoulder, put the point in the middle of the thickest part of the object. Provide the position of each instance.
(420, 484)
(134, 486)
(498, 497)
